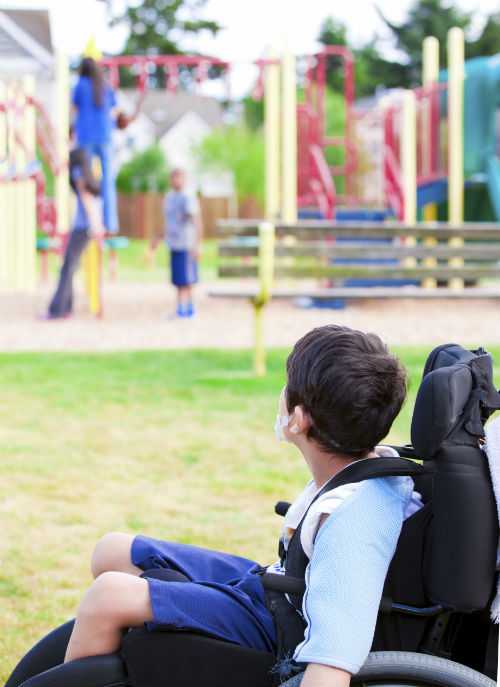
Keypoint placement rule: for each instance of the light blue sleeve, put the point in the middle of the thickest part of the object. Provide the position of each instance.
(347, 571)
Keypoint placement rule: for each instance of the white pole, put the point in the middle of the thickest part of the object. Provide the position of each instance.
(289, 139)
(456, 75)
(409, 156)
(62, 193)
(4, 225)
(272, 136)
(409, 165)
(430, 76)
(29, 229)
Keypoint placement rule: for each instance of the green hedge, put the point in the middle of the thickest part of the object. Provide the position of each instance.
(146, 171)
(241, 151)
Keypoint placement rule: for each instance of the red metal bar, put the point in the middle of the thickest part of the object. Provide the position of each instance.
(173, 78)
(392, 167)
(162, 60)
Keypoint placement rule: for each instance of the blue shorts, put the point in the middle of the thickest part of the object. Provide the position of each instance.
(183, 268)
(224, 597)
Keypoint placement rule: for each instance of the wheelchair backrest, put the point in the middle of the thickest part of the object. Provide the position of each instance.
(454, 400)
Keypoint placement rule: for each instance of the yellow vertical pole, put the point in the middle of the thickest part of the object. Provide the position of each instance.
(92, 266)
(430, 76)
(29, 192)
(62, 192)
(409, 165)
(4, 224)
(92, 263)
(266, 277)
(272, 136)
(289, 138)
(456, 75)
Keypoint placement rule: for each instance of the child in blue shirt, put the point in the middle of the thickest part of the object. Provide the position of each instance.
(183, 234)
(94, 102)
(342, 393)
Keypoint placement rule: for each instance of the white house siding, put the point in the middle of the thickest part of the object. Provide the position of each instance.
(179, 144)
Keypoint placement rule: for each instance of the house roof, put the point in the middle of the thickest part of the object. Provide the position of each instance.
(26, 34)
(36, 23)
(164, 109)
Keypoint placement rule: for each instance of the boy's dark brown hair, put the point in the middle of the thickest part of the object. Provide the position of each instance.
(349, 384)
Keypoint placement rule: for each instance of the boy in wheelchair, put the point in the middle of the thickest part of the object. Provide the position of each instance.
(321, 604)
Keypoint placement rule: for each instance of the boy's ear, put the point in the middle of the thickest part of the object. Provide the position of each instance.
(300, 421)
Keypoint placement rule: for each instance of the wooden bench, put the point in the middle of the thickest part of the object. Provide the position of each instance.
(315, 258)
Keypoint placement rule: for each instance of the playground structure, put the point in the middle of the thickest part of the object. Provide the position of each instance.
(425, 155)
(17, 186)
(25, 129)
(423, 165)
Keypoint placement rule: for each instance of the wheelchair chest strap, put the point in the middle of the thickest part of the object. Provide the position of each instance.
(284, 593)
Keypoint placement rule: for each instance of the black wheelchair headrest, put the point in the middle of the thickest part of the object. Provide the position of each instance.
(454, 400)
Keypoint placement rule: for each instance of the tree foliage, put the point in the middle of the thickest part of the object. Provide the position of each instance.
(240, 150)
(425, 18)
(156, 26)
(146, 171)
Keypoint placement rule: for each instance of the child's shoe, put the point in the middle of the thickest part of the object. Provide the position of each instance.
(190, 310)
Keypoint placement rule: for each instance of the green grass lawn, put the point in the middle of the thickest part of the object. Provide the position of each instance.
(179, 445)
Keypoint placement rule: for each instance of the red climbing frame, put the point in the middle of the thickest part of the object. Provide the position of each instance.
(316, 186)
(432, 164)
(172, 65)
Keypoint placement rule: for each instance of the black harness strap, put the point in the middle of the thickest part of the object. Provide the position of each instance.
(284, 593)
(295, 560)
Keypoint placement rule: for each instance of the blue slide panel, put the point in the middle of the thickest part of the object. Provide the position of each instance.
(436, 192)
(493, 172)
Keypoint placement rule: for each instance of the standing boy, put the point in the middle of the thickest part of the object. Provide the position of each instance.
(183, 234)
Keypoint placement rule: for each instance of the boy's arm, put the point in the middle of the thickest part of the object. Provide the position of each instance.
(346, 575)
(91, 208)
(318, 675)
(194, 214)
(165, 220)
(199, 232)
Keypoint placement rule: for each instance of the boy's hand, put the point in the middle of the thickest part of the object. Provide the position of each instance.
(195, 253)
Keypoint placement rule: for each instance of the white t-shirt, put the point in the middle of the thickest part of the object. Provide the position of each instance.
(180, 209)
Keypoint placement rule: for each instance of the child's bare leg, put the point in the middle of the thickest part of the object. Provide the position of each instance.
(113, 552)
(182, 297)
(114, 602)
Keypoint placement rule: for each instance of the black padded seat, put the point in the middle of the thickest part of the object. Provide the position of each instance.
(186, 660)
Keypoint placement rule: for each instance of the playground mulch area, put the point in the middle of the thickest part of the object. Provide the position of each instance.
(137, 318)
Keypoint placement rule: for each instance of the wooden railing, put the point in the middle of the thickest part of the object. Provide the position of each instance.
(292, 260)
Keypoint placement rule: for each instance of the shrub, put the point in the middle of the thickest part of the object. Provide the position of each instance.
(239, 150)
(146, 171)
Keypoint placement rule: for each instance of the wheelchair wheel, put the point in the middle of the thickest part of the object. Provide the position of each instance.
(407, 669)
(404, 668)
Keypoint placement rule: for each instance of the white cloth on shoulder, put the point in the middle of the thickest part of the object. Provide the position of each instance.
(326, 504)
